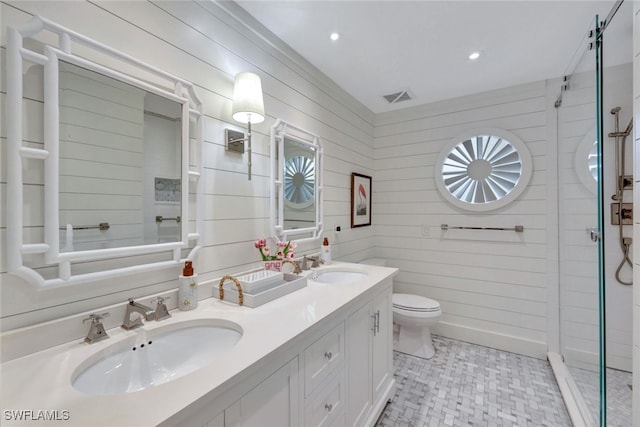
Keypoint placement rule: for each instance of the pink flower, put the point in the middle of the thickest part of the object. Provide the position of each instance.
(283, 250)
(293, 245)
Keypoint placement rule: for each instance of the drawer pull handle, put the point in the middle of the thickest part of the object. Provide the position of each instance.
(328, 407)
(328, 355)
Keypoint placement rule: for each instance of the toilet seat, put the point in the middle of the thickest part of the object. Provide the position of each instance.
(414, 303)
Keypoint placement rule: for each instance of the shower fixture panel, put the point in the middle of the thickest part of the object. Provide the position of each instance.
(626, 182)
(626, 214)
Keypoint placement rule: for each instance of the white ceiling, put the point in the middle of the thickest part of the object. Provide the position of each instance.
(423, 46)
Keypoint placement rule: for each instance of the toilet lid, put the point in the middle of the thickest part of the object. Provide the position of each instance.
(414, 302)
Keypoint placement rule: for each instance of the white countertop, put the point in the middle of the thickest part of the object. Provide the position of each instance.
(42, 381)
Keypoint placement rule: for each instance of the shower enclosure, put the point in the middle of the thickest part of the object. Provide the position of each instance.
(593, 112)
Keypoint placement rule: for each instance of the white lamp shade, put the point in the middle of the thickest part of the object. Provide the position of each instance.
(248, 105)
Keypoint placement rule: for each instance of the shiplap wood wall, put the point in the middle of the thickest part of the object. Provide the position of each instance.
(490, 284)
(496, 288)
(203, 43)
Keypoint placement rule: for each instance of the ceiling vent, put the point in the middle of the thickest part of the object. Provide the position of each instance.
(394, 98)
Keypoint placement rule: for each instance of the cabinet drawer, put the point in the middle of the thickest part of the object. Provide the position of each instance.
(326, 407)
(323, 357)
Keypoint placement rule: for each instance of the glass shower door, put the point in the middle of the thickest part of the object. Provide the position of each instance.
(579, 200)
(595, 309)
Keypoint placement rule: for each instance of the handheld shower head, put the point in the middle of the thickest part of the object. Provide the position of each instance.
(615, 110)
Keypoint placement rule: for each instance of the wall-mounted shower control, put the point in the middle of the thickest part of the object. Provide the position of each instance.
(626, 215)
(626, 182)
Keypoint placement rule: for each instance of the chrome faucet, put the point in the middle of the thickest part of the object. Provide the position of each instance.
(136, 307)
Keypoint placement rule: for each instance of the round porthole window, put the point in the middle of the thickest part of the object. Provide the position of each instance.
(586, 161)
(484, 170)
(299, 180)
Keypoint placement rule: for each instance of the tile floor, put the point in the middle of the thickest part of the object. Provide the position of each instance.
(619, 395)
(469, 385)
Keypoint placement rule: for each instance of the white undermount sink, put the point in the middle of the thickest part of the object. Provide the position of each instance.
(155, 357)
(338, 275)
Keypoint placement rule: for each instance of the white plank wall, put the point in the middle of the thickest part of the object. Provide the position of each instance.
(495, 287)
(490, 284)
(202, 43)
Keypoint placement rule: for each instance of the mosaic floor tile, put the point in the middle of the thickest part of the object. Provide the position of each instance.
(470, 385)
(619, 395)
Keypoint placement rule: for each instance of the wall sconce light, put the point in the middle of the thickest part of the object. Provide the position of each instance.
(248, 107)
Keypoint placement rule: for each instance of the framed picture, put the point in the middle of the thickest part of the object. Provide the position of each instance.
(360, 200)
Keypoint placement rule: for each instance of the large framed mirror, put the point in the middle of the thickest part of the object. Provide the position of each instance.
(118, 160)
(296, 183)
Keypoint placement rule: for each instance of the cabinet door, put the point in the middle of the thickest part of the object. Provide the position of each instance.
(275, 402)
(359, 335)
(382, 356)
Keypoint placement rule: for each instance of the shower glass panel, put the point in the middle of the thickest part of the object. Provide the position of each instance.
(593, 115)
(578, 188)
(616, 105)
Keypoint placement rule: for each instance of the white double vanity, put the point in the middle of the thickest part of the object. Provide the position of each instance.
(320, 356)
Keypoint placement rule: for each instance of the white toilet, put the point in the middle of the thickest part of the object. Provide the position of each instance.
(413, 316)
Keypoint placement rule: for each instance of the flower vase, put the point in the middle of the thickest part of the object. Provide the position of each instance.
(275, 265)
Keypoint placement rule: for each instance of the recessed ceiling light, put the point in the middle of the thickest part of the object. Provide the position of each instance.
(334, 36)
(474, 55)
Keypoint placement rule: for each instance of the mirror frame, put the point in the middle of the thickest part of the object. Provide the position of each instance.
(183, 93)
(279, 131)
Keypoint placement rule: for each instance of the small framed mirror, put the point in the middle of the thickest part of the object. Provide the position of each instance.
(296, 183)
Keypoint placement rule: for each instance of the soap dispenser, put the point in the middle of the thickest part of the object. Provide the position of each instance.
(325, 251)
(188, 290)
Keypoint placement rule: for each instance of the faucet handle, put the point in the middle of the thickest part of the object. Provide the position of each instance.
(96, 331)
(95, 318)
(162, 312)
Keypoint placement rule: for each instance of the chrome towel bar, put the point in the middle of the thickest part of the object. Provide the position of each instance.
(517, 228)
(103, 226)
(160, 218)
